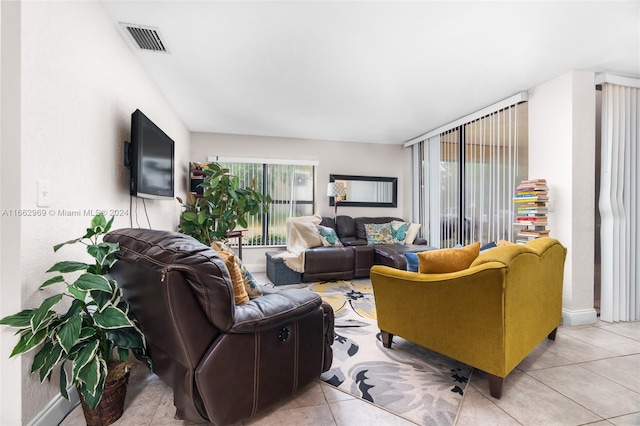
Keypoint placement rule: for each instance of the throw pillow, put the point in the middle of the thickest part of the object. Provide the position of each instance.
(250, 284)
(488, 246)
(378, 233)
(412, 233)
(447, 260)
(399, 231)
(239, 292)
(328, 236)
(412, 261)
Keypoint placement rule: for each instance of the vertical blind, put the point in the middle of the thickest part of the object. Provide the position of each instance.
(618, 203)
(467, 175)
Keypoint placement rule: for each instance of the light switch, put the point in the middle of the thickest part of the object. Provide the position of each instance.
(44, 194)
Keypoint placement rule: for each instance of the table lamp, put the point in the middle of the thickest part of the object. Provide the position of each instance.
(335, 190)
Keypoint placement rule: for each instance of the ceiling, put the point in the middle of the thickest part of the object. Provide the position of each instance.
(368, 71)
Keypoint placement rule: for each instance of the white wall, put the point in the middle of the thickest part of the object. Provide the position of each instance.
(562, 150)
(334, 157)
(78, 85)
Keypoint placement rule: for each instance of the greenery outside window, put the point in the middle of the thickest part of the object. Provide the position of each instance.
(291, 186)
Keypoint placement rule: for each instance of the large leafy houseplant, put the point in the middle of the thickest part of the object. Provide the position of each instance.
(222, 206)
(95, 334)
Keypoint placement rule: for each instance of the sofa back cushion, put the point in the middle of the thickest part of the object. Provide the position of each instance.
(345, 226)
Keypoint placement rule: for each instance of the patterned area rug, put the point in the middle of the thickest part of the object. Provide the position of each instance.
(408, 380)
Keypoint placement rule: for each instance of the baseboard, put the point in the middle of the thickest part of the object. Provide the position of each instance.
(580, 317)
(57, 409)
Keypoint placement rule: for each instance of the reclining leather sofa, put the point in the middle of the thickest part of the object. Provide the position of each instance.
(225, 362)
(356, 257)
(489, 316)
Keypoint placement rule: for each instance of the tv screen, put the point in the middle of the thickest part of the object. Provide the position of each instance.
(152, 159)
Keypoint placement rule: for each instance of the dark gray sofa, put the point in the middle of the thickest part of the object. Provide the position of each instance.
(356, 257)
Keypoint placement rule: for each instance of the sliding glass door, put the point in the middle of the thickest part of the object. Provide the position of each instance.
(469, 175)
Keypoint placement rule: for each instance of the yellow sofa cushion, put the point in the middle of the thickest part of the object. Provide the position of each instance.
(447, 260)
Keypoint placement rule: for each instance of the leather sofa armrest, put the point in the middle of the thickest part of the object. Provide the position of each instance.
(420, 242)
(274, 309)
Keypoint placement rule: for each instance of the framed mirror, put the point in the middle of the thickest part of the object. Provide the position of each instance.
(367, 191)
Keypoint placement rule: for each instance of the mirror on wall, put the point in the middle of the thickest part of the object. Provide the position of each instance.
(367, 191)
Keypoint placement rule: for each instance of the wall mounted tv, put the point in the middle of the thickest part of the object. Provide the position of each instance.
(151, 159)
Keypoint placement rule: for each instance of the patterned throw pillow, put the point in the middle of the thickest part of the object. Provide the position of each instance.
(399, 231)
(328, 236)
(250, 284)
(447, 260)
(379, 233)
(239, 292)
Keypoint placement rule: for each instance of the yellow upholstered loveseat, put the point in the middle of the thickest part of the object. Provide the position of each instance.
(489, 316)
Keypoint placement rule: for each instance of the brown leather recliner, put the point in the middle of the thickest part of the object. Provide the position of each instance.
(224, 362)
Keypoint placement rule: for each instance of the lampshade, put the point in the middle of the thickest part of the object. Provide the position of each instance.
(336, 189)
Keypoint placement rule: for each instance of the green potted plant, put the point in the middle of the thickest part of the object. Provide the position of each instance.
(222, 206)
(91, 340)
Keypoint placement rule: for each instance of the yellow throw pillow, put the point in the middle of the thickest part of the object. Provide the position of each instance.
(250, 284)
(239, 292)
(447, 260)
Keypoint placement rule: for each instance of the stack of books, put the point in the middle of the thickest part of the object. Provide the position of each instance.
(531, 201)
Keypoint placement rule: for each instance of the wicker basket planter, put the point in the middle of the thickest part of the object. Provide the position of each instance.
(111, 405)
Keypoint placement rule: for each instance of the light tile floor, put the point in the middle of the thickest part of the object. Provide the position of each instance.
(588, 375)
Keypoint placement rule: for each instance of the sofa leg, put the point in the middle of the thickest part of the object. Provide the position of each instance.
(387, 338)
(495, 385)
(552, 335)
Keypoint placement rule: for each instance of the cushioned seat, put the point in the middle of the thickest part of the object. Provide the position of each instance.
(490, 315)
(225, 361)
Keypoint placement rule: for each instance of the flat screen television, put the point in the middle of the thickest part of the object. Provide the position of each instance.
(151, 159)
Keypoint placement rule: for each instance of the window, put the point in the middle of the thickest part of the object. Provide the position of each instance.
(291, 186)
(465, 176)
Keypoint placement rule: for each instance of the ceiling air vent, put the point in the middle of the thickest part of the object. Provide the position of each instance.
(145, 38)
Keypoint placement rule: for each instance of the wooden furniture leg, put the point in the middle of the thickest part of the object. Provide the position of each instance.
(387, 339)
(495, 385)
(552, 335)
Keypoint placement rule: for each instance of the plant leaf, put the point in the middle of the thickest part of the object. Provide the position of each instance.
(20, 320)
(42, 313)
(108, 225)
(85, 354)
(111, 318)
(63, 382)
(86, 332)
(54, 280)
(68, 266)
(126, 338)
(41, 357)
(190, 216)
(98, 224)
(123, 354)
(28, 341)
(52, 359)
(90, 281)
(102, 299)
(69, 332)
(90, 374)
(57, 246)
(77, 293)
